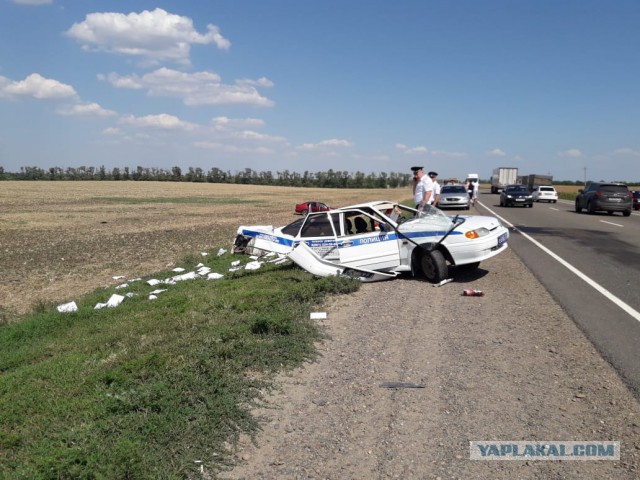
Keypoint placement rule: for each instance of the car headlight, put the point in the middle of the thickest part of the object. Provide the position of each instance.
(477, 233)
(509, 196)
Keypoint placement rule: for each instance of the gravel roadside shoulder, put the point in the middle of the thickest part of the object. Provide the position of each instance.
(508, 366)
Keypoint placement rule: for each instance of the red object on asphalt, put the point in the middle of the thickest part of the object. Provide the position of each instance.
(473, 293)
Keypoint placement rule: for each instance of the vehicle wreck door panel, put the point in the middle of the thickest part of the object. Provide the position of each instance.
(367, 246)
(319, 233)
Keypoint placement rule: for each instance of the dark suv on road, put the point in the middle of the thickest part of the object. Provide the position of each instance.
(608, 197)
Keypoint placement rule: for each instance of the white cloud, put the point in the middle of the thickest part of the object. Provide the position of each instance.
(255, 136)
(153, 36)
(627, 152)
(326, 144)
(443, 153)
(162, 121)
(223, 123)
(421, 150)
(86, 110)
(231, 148)
(111, 131)
(36, 86)
(195, 89)
(497, 152)
(416, 151)
(33, 2)
(572, 152)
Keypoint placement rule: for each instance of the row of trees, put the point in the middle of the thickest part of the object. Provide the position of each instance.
(330, 178)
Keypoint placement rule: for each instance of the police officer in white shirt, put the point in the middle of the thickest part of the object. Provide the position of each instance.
(436, 189)
(422, 188)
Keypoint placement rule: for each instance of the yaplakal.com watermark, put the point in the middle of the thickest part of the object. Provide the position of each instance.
(544, 450)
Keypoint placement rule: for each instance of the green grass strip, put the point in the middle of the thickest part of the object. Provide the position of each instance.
(146, 389)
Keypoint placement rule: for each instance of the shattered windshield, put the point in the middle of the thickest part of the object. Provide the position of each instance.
(431, 218)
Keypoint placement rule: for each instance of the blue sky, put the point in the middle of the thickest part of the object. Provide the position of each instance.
(551, 87)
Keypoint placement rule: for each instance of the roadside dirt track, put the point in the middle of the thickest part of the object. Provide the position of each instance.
(508, 366)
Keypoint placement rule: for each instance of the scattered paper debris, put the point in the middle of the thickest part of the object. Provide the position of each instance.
(254, 257)
(152, 297)
(214, 276)
(130, 294)
(443, 282)
(115, 300)
(118, 277)
(235, 269)
(178, 269)
(185, 276)
(200, 265)
(318, 315)
(67, 307)
(153, 282)
(99, 306)
(160, 290)
(203, 271)
(221, 252)
(253, 266)
(135, 280)
(235, 263)
(204, 254)
(120, 287)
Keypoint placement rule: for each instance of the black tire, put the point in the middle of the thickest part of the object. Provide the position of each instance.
(578, 208)
(610, 212)
(434, 266)
(626, 213)
(590, 208)
(555, 201)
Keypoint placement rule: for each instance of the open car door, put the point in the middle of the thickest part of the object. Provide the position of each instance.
(363, 245)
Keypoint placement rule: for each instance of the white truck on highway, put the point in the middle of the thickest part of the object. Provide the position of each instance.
(503, 176)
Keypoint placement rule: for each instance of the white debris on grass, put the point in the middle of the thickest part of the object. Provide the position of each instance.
(130, 294)
(152, 297)
(203, 271)
(135, 280)
(99, 306)
(204, 254)
(318, 315)
(253, 266)
(254, 257)
(121, 286)
(178, 270)
(118, 277)
(115, 300)
(185, 276)
(153, 282)
(67, 307)
(235, 269)
(235, 263)
(221, 252)
(214, 276)
(160, 290)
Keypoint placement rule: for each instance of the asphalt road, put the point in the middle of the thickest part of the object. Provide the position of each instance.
(591, 265)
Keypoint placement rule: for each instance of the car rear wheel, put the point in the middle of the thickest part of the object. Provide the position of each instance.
(434, 266)
(626, 213)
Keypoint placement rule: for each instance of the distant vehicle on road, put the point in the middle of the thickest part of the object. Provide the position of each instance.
(453, 196)
(607, 197)
(636, 199)
(307, 207)
(514, 195)
(503, 176)
(544, 194)
(534, 180)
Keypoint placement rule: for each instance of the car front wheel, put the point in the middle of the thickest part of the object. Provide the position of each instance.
(578, 208)
(434, 266)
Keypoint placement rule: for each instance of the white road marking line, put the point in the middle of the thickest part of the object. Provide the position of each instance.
(599, 288)
(553, 208)
(610, 223)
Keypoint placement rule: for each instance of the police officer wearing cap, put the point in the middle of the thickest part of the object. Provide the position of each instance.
(422, 188)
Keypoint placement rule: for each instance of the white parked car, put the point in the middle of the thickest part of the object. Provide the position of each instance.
(378, 240)
(545, 194)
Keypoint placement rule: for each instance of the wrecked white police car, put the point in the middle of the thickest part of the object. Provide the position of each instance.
(378, 240)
